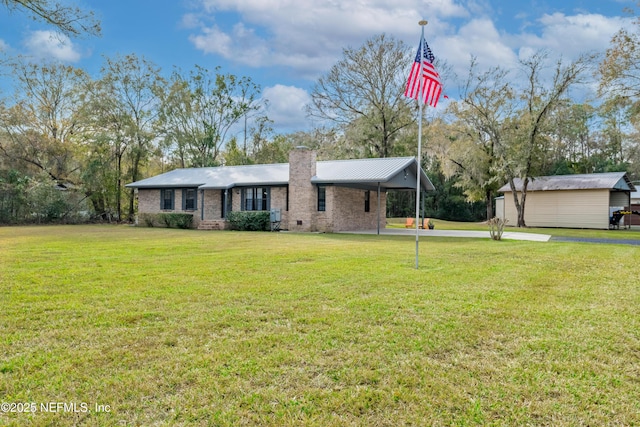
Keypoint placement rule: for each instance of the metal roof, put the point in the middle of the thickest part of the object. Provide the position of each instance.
(360, 170)
(592, 181)
(390, 172)
(219, 177)
(393, 172)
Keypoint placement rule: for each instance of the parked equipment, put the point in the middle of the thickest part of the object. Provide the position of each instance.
(616, 216)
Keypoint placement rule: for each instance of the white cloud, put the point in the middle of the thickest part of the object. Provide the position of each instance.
(478, 38)
(212, 40)
(3, 46)
(51, 45)
(287, 106)
(190, 21)
(562, 36)
(571, 35)
(309, 35)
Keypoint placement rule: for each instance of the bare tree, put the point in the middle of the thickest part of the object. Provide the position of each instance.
(365, 90)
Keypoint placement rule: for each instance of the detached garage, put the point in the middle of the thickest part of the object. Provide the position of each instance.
(571, 201)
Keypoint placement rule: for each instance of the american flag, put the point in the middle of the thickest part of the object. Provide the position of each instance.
(429, 85)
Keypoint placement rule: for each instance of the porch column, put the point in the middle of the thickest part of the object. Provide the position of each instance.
(224, 203)
(378, 213)
(201, 205)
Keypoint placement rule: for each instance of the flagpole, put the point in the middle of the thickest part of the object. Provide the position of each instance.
(420, 102)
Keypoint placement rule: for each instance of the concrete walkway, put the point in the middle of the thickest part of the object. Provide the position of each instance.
(507, 235)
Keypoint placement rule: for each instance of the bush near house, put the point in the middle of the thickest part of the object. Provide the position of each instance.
(169, 220)
(249, 221)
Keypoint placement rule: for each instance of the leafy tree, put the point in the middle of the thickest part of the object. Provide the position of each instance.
(363, 93)
(620, 81)
(448, 201)
(234, 156)
(200, 110)
(13, 197)
(620, 70)
(40, 128)
(470, 144)
(275, 151)
(41, 136)
(128, 104)
(70, 20)
(616, 114)
(571, 138)
(521, 152)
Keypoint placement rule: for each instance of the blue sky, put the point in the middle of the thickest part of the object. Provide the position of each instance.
(285, 45)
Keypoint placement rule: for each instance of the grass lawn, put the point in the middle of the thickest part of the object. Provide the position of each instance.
(180, 327)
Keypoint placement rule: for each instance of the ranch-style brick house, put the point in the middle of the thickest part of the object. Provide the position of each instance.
(306, 195)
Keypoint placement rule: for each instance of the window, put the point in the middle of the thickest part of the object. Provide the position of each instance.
(367, 201)
(322, 199)
(255, 199)
(166, 199)
(189, 199)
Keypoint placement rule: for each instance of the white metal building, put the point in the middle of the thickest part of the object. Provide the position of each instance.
(570, 201)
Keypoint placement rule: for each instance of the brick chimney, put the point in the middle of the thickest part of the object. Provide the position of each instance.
(302, 194)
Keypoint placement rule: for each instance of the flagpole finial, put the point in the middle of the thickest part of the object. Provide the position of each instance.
(423, 23)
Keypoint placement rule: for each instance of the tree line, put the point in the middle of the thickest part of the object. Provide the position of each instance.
(69, 142)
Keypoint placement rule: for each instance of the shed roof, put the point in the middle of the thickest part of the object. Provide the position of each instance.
(592, 181)
(391, 172)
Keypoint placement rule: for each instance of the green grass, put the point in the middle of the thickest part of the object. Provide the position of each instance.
(180, 327)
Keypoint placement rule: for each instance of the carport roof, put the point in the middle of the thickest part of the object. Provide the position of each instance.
(592, 181)
(391, 173)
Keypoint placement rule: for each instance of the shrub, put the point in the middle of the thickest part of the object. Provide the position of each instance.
(249, 221)
(166, 219)
(169, 220)
(180, 220)
(177, 220)
(147, 219)
(496, 227)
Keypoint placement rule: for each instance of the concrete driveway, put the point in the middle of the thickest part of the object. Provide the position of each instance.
(507, 235)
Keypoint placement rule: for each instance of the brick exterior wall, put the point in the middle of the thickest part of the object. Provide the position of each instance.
(345, 211)
(149, 202)
(349, 211)
(279, 201)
